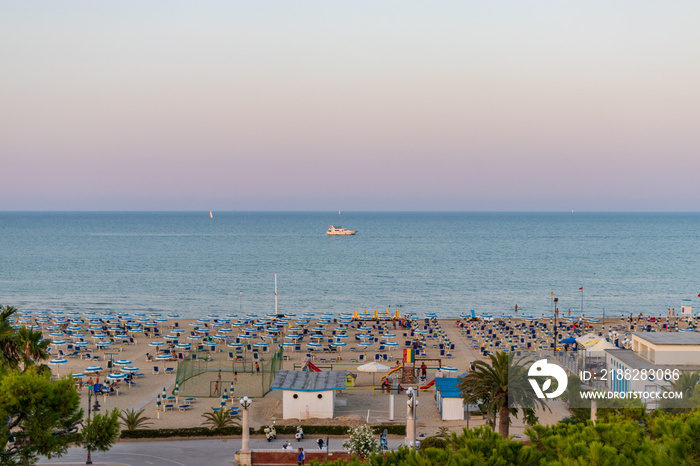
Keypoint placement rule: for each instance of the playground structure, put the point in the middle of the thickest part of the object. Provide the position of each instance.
(408, 369)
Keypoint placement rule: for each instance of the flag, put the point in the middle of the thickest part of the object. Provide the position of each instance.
(409, 355)
(581, 288)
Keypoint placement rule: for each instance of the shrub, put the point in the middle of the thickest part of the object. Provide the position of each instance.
(433, 442)
(362, 442)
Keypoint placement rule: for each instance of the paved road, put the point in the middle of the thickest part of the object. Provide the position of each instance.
(212, 452)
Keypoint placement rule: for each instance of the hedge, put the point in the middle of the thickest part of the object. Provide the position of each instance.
(235, 430)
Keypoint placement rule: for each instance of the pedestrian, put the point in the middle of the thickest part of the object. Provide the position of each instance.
(516, 308)
(257, 368)
(423, 370)
(235, 377)
(216, 388)
(301, 457)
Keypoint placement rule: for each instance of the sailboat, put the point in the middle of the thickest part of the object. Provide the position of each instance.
(211, 215)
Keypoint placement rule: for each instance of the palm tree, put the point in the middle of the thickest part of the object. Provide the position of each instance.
(9, 355)
(133, 419)
(502, 387)
(30, 346)
(686, 385)
(220, 419)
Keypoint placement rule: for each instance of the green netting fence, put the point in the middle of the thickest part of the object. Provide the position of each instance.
(206, 374)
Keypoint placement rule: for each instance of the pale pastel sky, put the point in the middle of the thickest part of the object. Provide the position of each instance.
(351, 105)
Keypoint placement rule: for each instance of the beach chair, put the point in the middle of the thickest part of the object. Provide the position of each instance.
(362, 358)
(169, 370)
(231, 357)
(184, 407)
(168, 407)
(156, 370)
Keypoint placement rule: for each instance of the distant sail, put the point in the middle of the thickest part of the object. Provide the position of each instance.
(211, 215)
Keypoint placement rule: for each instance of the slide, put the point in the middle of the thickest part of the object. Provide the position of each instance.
(391, 372)
(311, 367)
(430, 384)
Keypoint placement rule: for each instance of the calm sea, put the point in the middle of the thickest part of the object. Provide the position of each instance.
(447, 263)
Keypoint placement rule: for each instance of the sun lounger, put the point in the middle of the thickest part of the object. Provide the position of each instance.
(168, 407)
(169, 370)
(184, 407)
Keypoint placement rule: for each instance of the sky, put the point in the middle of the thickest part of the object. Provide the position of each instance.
(350, 105)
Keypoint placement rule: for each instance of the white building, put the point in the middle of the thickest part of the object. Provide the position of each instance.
(654, 355)
(309, 394)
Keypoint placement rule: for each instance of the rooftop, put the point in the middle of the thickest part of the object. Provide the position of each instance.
(305, 381)
(670, 338)
(635, 361)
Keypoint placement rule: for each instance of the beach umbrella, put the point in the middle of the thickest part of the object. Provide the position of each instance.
(261, 344)
(80, 343)
(195, 337)
(173, 316)
(93, 369)
(389, 335)
(123, 362)
(568, 341)
(57, 335)
(116, 376)
(78, 375)
(164, 357)
(288, 345)
(449, 370)
(314, 346)
(373, 367)
(130, 369)
(184, 346)
(393, 344)
(157, 343)
(58, 362)
(171, 337)
(366, 343)
(339, 344)
(58, 342)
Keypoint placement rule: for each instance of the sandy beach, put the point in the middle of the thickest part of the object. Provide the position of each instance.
(450, 342)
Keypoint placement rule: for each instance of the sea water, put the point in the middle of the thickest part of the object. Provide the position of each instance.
(447, 263)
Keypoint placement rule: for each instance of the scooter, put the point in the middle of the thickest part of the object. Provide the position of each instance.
(270, 432)
(300, 434)
(320, 443)
(383, 440)
(287, 446)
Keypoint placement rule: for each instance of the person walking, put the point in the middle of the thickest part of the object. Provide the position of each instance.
(301, 458)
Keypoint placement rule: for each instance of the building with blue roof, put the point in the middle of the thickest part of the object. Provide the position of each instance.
(449, 398)
(308, 394)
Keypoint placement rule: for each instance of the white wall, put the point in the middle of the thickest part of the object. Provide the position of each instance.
(452, 409)
(308, 404)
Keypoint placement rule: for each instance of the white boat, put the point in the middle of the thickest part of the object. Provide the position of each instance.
(339, 231)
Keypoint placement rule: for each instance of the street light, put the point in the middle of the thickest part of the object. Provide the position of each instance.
(556, 312)
(245, 403)
(411, 405)
(95, 408)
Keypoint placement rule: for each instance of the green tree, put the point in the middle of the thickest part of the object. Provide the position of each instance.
(503, 387)
(31, 347)
(220, 419)
(100, 432)
(39, 412)
(21, 347)
(133, 419)
(685, 384)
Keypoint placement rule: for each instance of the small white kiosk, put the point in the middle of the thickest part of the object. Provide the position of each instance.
(309, 394)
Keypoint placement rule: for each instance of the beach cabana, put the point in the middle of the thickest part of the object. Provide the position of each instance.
(449, 399)
(309, 394)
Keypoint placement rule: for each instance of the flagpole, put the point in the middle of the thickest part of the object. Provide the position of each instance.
(581, 301)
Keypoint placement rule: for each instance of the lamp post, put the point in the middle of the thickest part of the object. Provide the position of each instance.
(91, 408)
(244, 457)
(556, 312)
(411, 405)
